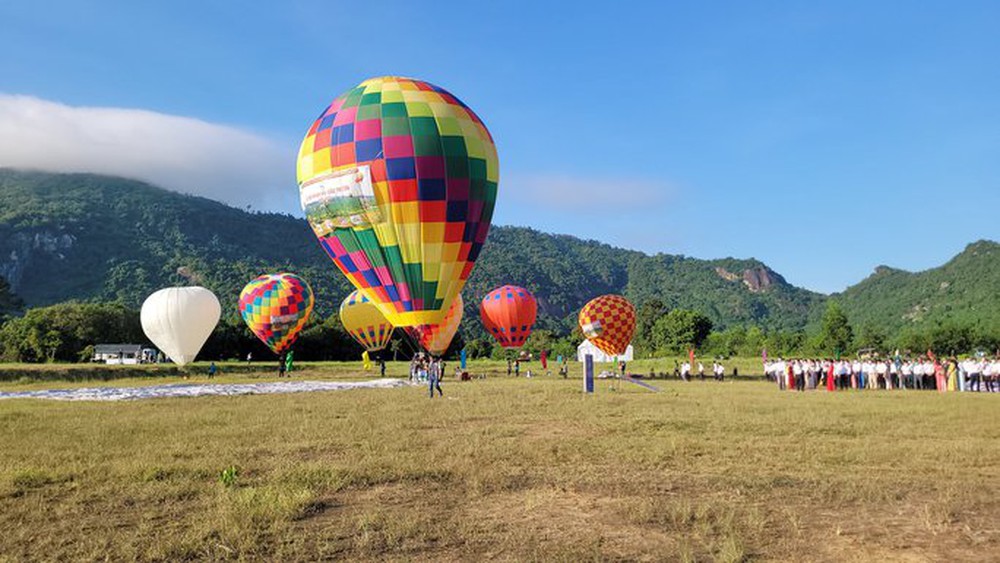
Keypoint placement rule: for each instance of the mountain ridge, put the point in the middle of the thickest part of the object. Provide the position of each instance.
(94, 237)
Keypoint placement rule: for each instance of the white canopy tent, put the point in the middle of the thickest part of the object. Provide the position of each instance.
(588, 348)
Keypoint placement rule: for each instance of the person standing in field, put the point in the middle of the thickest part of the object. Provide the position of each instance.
(281, 365)
(517, 367)
(211, 370)
(508, 367)
(701, 371)
(434, 377)
(882, 376)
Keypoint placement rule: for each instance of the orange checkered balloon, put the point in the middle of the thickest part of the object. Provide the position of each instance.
(436, 338)
(608, 322)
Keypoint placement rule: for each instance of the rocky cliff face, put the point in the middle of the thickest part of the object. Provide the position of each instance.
(24, 247)
(757, 279)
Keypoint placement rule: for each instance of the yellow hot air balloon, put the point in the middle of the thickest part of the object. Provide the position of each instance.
(398, 180)
(365, 322)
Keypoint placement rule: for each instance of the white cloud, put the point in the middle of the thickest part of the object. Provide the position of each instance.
(179, 153)
(586, 193)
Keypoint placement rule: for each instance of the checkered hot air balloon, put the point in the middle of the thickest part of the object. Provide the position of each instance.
(365, 322)
(276, 307)
(435, 339)
(508, 313)
(398, 179)
(608, 322)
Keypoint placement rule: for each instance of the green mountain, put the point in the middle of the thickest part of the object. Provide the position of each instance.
(90, 237)
(964, 291)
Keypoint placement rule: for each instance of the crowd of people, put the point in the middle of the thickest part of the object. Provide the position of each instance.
(975, 374)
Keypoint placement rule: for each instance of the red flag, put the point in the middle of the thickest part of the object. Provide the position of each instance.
(691, 357)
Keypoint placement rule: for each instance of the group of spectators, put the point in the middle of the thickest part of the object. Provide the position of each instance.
(975, 374)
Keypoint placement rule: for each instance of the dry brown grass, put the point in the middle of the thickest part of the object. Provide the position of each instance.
(506, 470)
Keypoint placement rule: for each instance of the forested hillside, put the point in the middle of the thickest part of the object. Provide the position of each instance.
(96, 238)
(90, 237)
(963, 292)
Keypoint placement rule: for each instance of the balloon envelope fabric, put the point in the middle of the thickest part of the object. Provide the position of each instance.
(509, 313)
(365, 322)
(398, 180)
(276, 307)
(436, 338)
(608, 322)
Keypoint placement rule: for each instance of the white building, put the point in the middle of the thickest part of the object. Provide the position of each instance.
(588, 348)
(129, 354)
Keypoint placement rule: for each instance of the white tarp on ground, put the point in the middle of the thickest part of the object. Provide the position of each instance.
(588, 348)
(198, 390)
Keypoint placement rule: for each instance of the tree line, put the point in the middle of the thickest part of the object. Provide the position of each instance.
(67, 332)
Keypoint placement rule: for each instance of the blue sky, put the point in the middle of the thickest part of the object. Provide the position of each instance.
(821, 139)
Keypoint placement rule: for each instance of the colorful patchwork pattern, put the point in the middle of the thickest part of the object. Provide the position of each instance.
(435, 339)
(509, 313)
(365, 322)
(276, 307)
(608, 322)
(433, 169)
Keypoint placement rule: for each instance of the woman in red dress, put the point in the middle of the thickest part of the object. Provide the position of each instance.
(829, 375)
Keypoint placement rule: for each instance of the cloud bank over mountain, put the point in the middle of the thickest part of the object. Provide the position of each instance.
(184, 154)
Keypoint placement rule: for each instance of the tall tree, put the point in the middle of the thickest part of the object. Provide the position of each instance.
(647, 315)
(836, 334)
(681, 329)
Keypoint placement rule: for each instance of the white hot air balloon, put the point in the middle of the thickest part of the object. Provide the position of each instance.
(178, 320)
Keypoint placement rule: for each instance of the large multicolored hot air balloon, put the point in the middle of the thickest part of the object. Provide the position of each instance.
(178, 320)
(436, 338)
(365, 322)
(276, 307)
(608, 322)
(509, 313)
(398, 179)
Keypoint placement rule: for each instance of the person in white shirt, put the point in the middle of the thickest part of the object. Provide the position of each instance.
(907, 375)
(975, 371)
(843, 372)
(882, 371)
(992, 372)
(780, 371)
(685, 370)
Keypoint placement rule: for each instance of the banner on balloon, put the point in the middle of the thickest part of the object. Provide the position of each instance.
(340, 200)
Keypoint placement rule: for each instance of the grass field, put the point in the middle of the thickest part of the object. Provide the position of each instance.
(503, 469)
